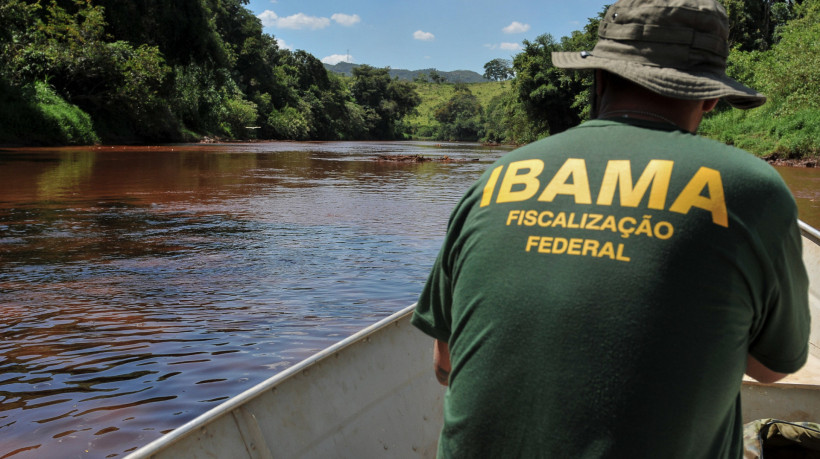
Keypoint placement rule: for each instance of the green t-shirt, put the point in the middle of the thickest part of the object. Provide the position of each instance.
(600, 290)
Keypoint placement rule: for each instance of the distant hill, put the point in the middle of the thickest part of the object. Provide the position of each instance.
(457, 76)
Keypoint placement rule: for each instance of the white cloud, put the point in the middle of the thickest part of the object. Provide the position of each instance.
(346, 19)
(505, 46)
(302, 21)
(423, 36)
(334, 59)
(283, 45)
(297, 21)
(516, 27)
(268, 18)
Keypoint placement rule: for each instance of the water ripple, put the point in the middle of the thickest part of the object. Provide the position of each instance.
(156, 284)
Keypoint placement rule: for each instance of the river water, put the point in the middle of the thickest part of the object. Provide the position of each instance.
(142, 286)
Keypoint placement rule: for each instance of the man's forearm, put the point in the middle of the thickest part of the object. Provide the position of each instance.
(760, 372)
(441, 362)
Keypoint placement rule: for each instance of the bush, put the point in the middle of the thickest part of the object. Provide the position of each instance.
(70, 124)
(289, 123)
(240, 114)
(35, 114)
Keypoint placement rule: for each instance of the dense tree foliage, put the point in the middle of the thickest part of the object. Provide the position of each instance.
(755, 24)
(118, 83)
(152, 70)
(385, 101)
(544, 92)
(789, 124)
(183, 30)
(460, 117)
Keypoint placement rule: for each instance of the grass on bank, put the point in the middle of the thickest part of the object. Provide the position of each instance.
(36, 114)
(767, 131)
(422, 125)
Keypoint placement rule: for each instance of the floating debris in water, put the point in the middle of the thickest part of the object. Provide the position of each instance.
(421, 159)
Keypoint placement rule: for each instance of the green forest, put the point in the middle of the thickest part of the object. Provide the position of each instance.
(151, 71)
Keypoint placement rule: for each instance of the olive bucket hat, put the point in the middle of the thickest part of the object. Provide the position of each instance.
(676, 48)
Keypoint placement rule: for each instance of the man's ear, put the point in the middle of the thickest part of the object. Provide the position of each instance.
(709, 105)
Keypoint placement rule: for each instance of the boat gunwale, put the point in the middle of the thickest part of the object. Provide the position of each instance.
(269, 384)
(809, 232)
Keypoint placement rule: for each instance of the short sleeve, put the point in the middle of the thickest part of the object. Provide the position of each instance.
(781, 342)
(432, 315)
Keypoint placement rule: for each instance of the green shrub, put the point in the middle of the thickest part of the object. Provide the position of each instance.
(239, 115)
(289, 123)
(36, 115)
(72, 125)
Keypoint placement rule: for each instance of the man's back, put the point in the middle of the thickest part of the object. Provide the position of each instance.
(600, 291)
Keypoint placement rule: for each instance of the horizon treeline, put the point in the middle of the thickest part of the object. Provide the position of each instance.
(139, 71)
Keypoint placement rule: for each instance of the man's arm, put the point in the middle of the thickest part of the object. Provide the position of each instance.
(760, 372)
(441, 362)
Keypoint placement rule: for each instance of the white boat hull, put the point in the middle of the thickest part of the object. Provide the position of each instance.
(371, 395)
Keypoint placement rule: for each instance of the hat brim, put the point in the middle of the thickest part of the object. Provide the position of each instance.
(667, 81)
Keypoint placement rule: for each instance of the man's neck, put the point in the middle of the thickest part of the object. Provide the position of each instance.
(620, 98)
(686, 116)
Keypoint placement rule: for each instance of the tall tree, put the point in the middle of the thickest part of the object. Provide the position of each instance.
(385, 101)
(460, 116)
(753, 24)
(582, 40)
(436, 77)
(183, 30)
(545, 92)
(322, 97)
(498, 70)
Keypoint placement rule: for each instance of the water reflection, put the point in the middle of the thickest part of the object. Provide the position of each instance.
(74, 167)
(143, 285)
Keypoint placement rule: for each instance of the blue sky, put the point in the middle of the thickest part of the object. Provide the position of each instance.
(417, 34)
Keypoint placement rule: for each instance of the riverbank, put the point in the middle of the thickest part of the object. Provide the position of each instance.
(776, 160)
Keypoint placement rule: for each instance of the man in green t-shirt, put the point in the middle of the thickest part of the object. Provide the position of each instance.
(601, 292)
